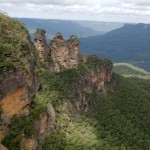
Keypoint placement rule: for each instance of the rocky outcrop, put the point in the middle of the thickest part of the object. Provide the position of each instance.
(41, 45)
(2, 147)
(73, 43)
(15, 103)
(64, 53)
(28, 144)
(18, 87)
(44, 127)
(97, 80)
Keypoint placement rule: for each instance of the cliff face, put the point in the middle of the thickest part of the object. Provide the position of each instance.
(64, 53)
(2, 147)
(19, 84)
(98, 79)
(41, 45)
(95, 81)
(44, 127)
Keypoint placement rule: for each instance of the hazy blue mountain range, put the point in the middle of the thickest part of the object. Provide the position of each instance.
(67, 28)
(100, 26)
(130, 43)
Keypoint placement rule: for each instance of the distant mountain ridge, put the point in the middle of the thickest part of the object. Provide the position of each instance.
(53, 26)
(130, 43)
(69, 27)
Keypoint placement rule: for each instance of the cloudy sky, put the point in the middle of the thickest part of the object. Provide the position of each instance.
(100, 10)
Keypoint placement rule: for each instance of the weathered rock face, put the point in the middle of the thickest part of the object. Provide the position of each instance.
(28, 144)
(97, 80)
(64, 53)
(17, 88)
(73, 43)
(44, 127)
(2, 147)
(41, 45)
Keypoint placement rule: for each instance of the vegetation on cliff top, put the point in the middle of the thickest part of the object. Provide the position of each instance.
(13, 37)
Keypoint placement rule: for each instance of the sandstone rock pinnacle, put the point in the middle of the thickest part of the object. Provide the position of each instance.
(40, 44)
(64, 53)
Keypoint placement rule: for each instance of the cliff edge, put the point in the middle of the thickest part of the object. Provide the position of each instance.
(38, 81)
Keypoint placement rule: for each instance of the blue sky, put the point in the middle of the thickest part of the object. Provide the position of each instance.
(99, 10)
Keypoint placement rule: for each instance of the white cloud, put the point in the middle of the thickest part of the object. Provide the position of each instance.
(113, 10)
(54, 2)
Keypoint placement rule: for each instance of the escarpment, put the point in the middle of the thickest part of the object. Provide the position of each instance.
(93, 76)
(66, 76)
(18, 83)
(98, 79)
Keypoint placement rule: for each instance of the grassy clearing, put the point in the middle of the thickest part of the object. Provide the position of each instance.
(128, 70)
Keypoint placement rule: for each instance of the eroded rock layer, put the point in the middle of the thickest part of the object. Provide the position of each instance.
(41, 45)
(44, 127)
(99, 79)
(64, 53)
(18, 85)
